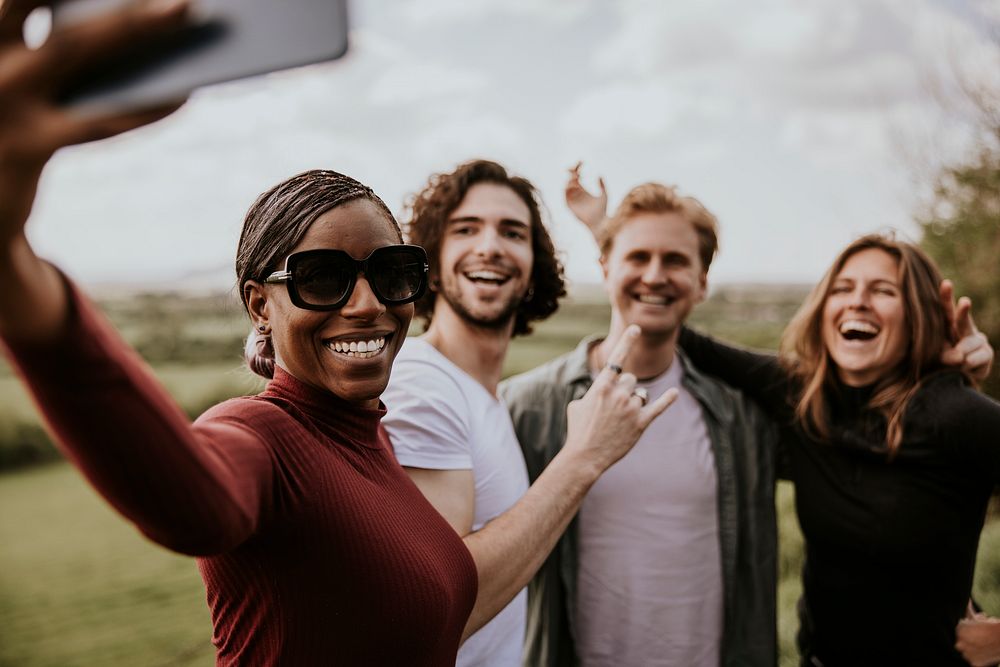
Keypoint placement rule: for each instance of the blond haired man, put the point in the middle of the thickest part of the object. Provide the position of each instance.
(672, 557)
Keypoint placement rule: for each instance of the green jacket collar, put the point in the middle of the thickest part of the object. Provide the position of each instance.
(705, 391)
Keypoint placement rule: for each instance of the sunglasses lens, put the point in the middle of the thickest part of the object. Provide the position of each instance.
(397, 274)
(322, 280)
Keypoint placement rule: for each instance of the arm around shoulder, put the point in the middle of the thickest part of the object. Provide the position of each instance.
(759, 375)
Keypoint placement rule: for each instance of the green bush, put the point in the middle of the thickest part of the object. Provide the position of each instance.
(25, 443)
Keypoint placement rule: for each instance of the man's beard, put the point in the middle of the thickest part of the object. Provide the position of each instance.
(495, 322)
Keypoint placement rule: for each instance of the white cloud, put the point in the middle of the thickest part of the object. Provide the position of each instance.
(615, 110)
(876, 82)
(784, 33)
(414, 83)
(784, 116)
(450, 12)
(466, 136)
(657, 38)
(838, 138)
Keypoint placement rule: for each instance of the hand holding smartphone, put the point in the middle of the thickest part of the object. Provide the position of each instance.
(225, 40)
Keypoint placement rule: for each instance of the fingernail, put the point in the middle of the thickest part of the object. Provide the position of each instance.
(167, 7)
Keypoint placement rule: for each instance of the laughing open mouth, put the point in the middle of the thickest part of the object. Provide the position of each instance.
(487, 276)
(858, 330)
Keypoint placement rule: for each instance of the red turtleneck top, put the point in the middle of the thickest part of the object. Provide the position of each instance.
(314, 545)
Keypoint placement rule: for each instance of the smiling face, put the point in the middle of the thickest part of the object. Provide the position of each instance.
(864, 318)
(324, 348)
(653, 272)
(484, 267)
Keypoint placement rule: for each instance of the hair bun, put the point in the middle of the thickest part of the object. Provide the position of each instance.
(259, 354)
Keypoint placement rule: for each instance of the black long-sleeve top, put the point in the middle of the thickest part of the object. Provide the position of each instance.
(890, 545)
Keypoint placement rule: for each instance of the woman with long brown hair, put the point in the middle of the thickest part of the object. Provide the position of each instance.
(893, 454)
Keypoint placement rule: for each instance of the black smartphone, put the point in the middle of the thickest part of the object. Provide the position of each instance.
(227, 40)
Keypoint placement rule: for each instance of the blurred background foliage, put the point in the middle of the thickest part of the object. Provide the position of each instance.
(961, 223)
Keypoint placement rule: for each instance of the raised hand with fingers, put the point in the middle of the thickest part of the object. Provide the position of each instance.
(969, 348)
(33, 126)
(602, 427)
(606, 423)
(589, 208)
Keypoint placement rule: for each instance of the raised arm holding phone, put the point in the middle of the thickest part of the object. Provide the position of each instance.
(314, 545)
(34, 126)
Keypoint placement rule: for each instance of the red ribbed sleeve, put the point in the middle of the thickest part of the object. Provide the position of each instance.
(316, 548)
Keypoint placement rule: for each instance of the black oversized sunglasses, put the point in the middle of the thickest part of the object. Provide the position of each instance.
(324, 279)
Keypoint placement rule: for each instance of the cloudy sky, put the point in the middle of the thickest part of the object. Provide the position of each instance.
(800, 123)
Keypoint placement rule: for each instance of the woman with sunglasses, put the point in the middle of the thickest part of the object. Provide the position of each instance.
(314, 545)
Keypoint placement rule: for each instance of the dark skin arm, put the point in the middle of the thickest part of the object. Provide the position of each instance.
(35, 302)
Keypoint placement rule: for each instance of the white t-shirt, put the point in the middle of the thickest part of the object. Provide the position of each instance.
(649, 586)
(442, 419)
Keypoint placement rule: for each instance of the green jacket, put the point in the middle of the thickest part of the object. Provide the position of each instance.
(743, 443)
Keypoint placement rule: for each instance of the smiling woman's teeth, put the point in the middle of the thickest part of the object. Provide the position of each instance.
(363, 349)
(858, 330)
(859, 326)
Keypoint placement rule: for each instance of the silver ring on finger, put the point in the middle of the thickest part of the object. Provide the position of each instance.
(641, 394)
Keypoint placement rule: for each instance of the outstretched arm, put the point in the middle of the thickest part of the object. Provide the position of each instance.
(33, 127)
(198, 489)
(758, 374)
(971, 350)
(590, 209)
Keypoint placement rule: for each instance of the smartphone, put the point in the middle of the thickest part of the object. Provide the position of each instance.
(227, 40)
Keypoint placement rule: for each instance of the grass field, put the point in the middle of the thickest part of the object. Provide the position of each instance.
(80, 587)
